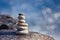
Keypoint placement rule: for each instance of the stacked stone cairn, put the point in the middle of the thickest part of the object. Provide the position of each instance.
(22, 26)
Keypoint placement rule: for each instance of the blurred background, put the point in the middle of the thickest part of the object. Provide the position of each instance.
(42, 15)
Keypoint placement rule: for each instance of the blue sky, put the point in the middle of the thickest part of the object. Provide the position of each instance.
(42, 15)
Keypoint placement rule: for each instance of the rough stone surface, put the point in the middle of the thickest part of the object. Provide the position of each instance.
(11, 35)
(7, 20)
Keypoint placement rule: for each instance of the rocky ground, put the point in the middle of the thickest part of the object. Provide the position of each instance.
(11, 35)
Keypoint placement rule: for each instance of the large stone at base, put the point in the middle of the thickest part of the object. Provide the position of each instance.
(10, 35)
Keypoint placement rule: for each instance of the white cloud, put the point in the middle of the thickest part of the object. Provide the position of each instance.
(47, 10)
(51, 27)
(56, 15)
(50, 20)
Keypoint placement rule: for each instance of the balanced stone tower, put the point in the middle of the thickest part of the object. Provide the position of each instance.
(22, 26)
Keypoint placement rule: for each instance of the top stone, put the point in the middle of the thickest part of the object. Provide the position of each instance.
(21, 14)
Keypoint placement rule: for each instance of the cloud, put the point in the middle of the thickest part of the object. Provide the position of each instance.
(56, 15)
(50, 20)
(48, 10)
